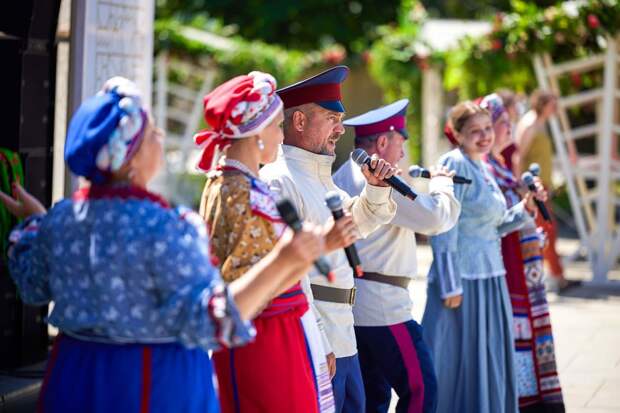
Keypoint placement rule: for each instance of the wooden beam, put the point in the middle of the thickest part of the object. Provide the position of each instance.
(581, 98)
(543, 81)
(579, 65)
(584, 131)
(603, 210)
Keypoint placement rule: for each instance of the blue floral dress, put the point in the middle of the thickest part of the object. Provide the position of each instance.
(136, 300)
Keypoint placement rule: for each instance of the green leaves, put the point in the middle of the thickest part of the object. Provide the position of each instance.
(240, 56)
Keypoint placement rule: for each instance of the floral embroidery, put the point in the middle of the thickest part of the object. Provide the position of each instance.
(121, 266)
(240, 235)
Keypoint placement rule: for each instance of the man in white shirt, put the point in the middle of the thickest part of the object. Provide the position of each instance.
(302, 173)
(391, 350)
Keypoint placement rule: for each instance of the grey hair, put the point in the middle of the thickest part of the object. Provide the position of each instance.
(306, 109)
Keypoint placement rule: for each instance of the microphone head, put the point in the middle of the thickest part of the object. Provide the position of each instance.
(359, 156)
(415, 171)
(527, 178)
(287, 211)
(333, 200)
(534, 169)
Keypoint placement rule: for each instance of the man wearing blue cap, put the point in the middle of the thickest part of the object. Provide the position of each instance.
(391, 350)
(302, 173)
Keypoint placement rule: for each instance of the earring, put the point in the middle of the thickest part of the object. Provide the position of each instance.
(261, 145)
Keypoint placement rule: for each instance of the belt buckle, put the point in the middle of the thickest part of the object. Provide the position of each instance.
(352, 294)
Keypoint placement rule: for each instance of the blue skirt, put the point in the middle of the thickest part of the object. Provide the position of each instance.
(92, 377)
(473, 348)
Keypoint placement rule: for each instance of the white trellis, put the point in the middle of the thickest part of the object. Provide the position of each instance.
(180, 86)
(596, 207)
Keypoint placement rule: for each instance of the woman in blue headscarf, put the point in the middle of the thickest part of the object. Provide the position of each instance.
(136, 299)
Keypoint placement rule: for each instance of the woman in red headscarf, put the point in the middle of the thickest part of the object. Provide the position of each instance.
(137, 301)
(284, 369)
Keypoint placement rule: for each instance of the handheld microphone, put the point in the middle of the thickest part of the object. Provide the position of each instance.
(416, 171)
(289, 215)
(360, 157)
(528, 180)
(534, 169)
(334, 203)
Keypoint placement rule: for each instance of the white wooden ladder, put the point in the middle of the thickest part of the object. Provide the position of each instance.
(595, 206)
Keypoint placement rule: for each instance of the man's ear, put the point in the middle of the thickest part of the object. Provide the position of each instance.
(382, 143)
(299, 121)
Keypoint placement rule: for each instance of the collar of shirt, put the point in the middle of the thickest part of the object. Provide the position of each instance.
(318, 165)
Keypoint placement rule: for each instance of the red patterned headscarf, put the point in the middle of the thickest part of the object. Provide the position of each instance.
(239, 108)
(449, 133)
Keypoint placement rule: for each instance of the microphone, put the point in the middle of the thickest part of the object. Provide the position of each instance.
(289, 215)
(334, 203)
(534, 169)
(416, 171)
(360, 157)
(528, 180)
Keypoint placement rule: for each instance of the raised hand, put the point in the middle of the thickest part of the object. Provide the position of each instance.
(22, 204)
(441, 171)
(381, 170)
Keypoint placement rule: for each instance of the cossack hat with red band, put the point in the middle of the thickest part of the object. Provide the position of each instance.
(382, 120)
(322, 89)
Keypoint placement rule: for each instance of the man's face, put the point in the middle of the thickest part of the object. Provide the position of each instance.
(323, 129)
(392, 151)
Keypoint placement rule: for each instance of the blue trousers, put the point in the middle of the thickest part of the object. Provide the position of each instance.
(348, 386)
(396, 357)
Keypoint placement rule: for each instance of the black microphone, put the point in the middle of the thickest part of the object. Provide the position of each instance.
(289, 215)
(416, 171)
(534, 169)
(334, 203)
(528, 180)
(360, 157)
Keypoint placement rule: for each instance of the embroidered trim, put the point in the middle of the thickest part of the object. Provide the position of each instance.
(121, 192)
(219, 311)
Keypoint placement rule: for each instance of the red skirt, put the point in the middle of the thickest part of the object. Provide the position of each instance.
(274, 373)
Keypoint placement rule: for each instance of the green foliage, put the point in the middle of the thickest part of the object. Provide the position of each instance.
(306, 25)
(395, 54)
(503, 58)
(459, 9)
(242, 58)
(397, 60)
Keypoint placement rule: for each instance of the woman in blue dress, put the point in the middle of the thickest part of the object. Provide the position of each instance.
(468, 319)
(136, 298)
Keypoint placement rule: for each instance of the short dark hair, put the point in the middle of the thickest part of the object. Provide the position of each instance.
(366, 140)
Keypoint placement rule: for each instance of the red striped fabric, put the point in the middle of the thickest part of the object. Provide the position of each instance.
(145, 399)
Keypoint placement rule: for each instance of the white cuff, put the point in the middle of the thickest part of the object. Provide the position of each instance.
(458, 291)
(377, 194)
(441, 184)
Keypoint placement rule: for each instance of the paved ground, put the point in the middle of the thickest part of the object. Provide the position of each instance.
(586, 324)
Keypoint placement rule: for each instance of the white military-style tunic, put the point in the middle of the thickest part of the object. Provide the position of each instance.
(391, 250)
(304, 178)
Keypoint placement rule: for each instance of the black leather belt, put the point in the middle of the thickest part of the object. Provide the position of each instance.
(396, 280)
(333, 295)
